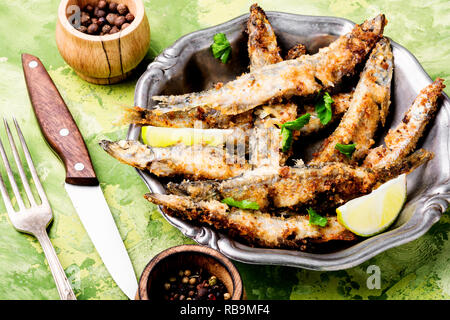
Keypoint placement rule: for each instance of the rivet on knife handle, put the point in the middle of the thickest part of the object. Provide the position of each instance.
(57, 124)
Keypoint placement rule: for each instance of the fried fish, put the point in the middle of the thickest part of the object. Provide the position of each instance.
(304, 76)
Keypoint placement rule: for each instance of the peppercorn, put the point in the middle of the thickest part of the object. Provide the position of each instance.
(99, 12)
(89, 8)
(125, 25)
(82, 29)
(212, 281)
(193, 285)
(85, 19)
(226, 296)
(122, 9)
(111, 17)
(92, 29)
(113, 7)
(106, 28)
(94, 21)
(119, 21)
(211, 296)
(102, 4)
(129, 17)
(101, 21)
(114, 30)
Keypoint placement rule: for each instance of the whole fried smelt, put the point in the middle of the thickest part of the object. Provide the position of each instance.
(195, 162)
(304, 76)
(241, 151)
(403, 139)
(368, 108)
(296, 51)
(207, 118)
(257, 228)
(263, 49)
(322, 187)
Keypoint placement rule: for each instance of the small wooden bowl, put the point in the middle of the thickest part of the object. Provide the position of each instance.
(173, 259)
(103, 59)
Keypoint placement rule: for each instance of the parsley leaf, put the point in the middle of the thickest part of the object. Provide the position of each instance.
(221, 47)
(346, 149)
(286, 139)
(298, 123)
(287, 127)
(323, 108)
(244, 204)
(316, 219)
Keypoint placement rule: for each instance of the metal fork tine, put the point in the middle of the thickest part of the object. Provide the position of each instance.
(5, 196)
(23, 176)
(11, 177)
(27, 154)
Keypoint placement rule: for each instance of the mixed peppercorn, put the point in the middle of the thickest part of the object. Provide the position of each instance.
(194, 285)
(105, 18)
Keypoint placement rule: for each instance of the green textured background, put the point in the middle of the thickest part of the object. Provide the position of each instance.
(417, 270)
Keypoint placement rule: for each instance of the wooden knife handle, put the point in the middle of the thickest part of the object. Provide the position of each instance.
(57, 124)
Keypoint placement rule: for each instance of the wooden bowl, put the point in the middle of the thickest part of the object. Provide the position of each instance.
(103, 59)
(173, 259)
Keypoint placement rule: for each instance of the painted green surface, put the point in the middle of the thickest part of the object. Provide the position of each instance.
(418, 270)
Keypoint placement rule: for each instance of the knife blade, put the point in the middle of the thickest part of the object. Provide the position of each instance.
(82, 186)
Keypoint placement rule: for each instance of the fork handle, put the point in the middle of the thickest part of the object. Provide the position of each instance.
(62, 283)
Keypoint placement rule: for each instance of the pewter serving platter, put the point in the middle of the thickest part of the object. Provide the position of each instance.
(188, 66)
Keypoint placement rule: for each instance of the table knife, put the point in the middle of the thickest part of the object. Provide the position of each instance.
(81, 184)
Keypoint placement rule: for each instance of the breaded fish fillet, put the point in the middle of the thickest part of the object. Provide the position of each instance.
(403, 139)
(304, 76)
(257, 228)
(368, 107)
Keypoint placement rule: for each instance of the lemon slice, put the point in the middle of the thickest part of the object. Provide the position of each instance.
(373, 213)
(165, 137)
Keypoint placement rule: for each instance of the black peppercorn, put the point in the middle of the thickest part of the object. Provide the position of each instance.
(114, 30)
(102, 4)
(125, 25)
(120, 20)
(82, 29)
(99, 13)
(106, 28)
(101, 21)
(129, 17)
(89, 8)
(92, 29)
(85, 19)
(111, 17)
(112, 7)
(122, 9)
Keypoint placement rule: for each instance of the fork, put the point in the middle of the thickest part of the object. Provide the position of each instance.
(34, 219)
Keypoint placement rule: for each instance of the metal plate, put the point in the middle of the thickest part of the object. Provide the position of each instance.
(188, 65)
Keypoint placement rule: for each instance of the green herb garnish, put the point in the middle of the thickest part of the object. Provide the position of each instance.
(346, 149)
(244, 204)
(298, 123)
(221, 47)
(286, 130)
(286, 139)
(316, 219)
(323, 108)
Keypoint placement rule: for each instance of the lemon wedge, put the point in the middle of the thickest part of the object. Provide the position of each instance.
(373, 213)
(165, 137)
